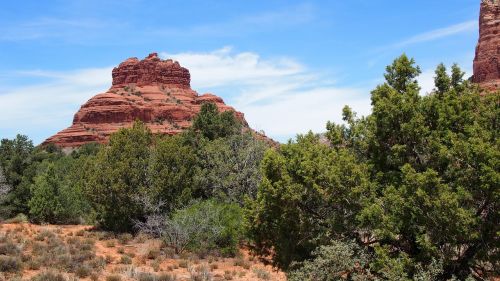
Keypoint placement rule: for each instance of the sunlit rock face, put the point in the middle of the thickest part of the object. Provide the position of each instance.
(487, 59)
(152, 90)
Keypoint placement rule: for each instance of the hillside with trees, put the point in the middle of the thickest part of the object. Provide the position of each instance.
(409, 192)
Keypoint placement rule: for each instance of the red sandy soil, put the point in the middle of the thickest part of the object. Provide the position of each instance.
(244, 268)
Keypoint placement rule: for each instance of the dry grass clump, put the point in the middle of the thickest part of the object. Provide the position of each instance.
(10, 264)
(113, 277)
(49, 276)
(200, 273)
(262, 274)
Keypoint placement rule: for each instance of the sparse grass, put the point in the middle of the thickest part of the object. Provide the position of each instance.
(44, 234)
(262, 274)
(228, 275)
(9, 249)
(83, 271)
(110, 244)
(49, 276)
(113, 277)
(200, 273)
(126, 259)
(145, 276)
(10, 264)
(166, 277)
(94, 276)
(125, 238)
(156, 265)
(153, 254)
(183, 263)
(141, 238)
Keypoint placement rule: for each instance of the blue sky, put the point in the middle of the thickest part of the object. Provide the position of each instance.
(288, 65)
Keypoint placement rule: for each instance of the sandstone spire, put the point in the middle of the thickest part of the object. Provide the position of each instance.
(487, 59)
(152, 90)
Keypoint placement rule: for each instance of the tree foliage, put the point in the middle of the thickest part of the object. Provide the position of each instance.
(426, 188)
(212, 124)
(229, 167)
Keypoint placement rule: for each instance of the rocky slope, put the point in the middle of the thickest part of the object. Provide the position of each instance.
(487, 59)
(152, 90)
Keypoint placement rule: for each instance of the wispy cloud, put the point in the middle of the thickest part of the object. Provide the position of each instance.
(384, 52)
(439, 33)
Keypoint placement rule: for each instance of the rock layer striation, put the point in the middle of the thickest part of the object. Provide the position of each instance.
(152, 90)
(487, 59)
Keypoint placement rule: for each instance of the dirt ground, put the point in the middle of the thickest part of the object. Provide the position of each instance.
(104, 256)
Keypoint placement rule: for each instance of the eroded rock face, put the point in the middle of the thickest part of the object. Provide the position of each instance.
(487, 59)
(152, 90)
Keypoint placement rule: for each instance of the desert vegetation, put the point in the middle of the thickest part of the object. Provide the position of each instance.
(409, 192)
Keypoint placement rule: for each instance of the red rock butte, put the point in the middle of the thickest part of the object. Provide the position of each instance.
(155, 91)
(487, 59)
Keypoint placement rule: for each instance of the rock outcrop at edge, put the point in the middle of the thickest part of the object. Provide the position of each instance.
(487, 58)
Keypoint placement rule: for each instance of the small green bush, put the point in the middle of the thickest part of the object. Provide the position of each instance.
(125, 259)
(204, 227)
(19, 218)
(330, 261)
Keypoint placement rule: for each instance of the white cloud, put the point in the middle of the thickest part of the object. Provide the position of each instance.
(223, 67)
(278, 95)
(49, 105)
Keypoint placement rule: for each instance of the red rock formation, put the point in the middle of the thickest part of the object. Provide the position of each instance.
(152, 90)
(487, 59)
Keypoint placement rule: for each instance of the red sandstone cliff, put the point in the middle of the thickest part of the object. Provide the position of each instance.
(152, 90)
(487, 59)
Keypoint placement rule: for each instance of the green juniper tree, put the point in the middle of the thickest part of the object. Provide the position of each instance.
(426, 188)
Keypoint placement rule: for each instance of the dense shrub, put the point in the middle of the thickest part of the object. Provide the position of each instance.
(309, 194)
(16, 157)
(229, 167)
(412, 183)
(136, 167)
(117, 175)
(55, 198)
